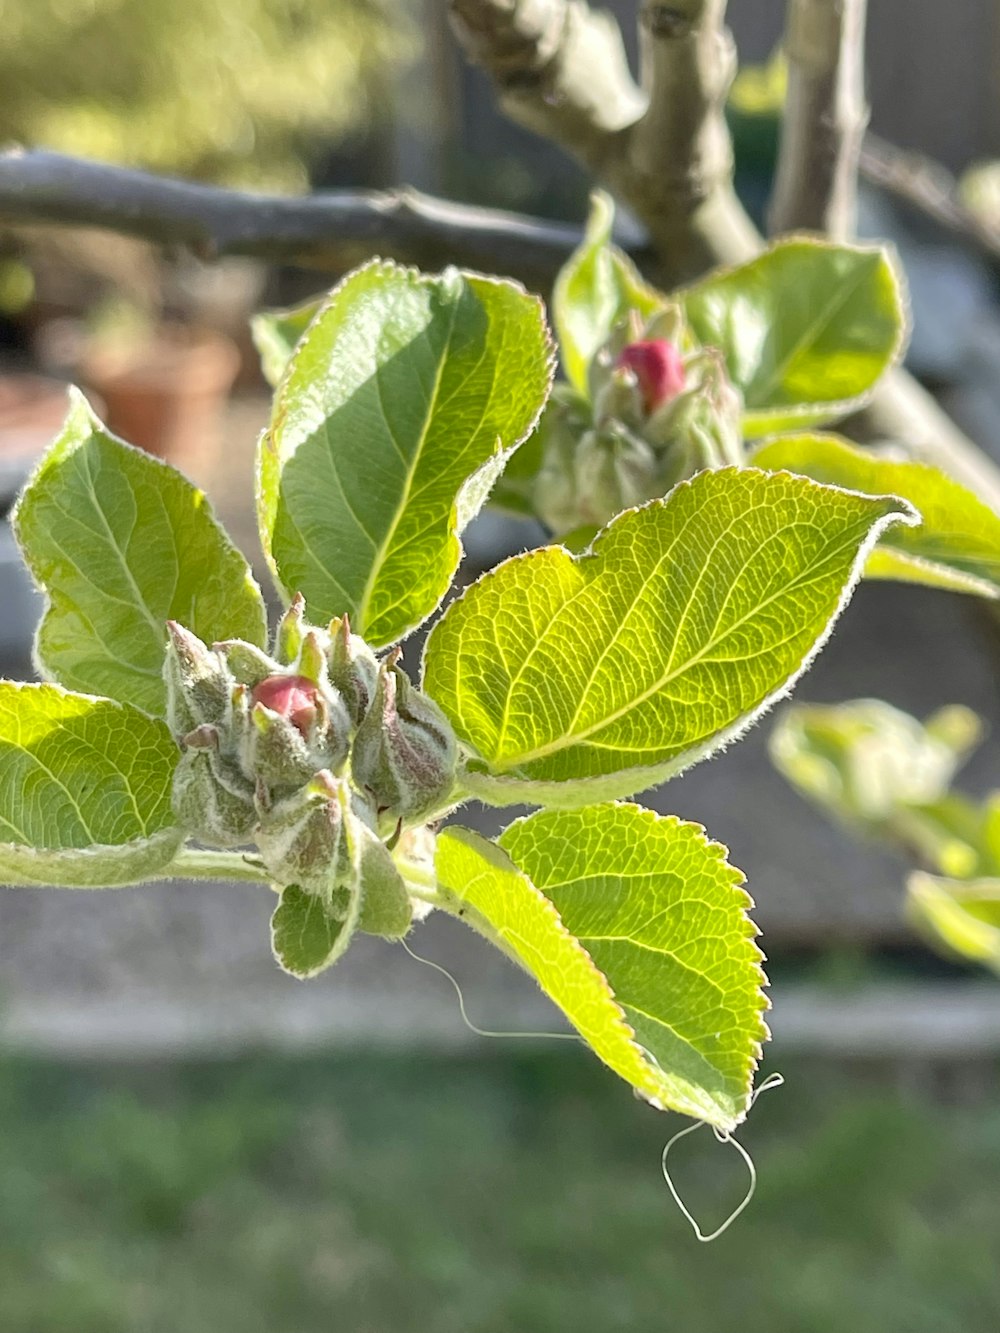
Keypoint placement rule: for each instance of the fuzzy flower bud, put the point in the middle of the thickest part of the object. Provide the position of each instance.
(405, 752)
(198, 683)
(353, 669)
(614, 471)
(211, 799)
(703, 426)
(291, 628)
(312, 839)
(247, 663)
(658, 369)
(292, 697)
(291, 728)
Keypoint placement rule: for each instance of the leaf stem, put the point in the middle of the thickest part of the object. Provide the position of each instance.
(197, 863)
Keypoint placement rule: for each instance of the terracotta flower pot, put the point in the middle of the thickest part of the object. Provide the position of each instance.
(32, 409)
(166, 394)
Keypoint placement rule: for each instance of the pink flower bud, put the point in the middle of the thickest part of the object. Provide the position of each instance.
(291, 697)
(657, 365)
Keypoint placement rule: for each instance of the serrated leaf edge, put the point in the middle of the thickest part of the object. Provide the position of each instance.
(720, 852)
(499, 788)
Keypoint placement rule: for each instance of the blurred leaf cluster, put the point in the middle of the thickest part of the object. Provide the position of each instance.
(238, 91)
(886, 775)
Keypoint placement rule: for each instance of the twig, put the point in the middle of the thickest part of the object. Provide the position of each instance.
(559, 68)
(825, 118)
(331, 231)
(678, 176)
(930, 189)
(687, 34)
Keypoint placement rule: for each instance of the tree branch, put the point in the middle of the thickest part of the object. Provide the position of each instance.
(678, 176)
(926, 186)
(559, 68)
(330, 231)
(688, 64)
(825, 118)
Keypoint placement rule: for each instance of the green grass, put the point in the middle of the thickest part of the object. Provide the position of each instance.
(505, 1195)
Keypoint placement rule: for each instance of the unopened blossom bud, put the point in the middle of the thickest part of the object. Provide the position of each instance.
(212, 801)
(312, 659)
(291, 629)
(703, 427)
(312, 839)
(658, 369)
(615, 470)
(405, 751)
(292, 728)
(353, 669)
(198, 682)
(291, 697)
(247, 663)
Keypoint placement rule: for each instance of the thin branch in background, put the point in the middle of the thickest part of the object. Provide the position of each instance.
(826, 114)
(331, 231)
(930, 189)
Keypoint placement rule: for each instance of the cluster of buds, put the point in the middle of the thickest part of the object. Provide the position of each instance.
(316, 756)
(654, 416)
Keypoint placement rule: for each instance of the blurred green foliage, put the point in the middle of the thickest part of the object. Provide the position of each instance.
(272, 1196)
(237, 91)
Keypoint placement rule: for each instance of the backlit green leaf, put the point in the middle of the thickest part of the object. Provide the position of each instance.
(121, 543)
(84, 789)
(956, 546)
(305, 938)
(597, 286)
(635, 925)
(276, 334)
(963, 916)
(575, 678)
(807, 329)
(404, 399)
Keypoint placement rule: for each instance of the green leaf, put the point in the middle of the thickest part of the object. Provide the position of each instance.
(596, 287)
(807, 329)
(884, 773)
(956, 546)
(635, 925)
(403, 401)
(863, 759)
(575, 678)
(385, 908)
(84, 790)
(962, 916)
(276, 334)
(305, 938)
(121, 543)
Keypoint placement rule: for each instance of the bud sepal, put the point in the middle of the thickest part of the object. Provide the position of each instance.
(404, 753)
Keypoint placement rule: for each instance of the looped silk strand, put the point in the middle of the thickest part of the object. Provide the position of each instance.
(485, 1032)
(723, 1136)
